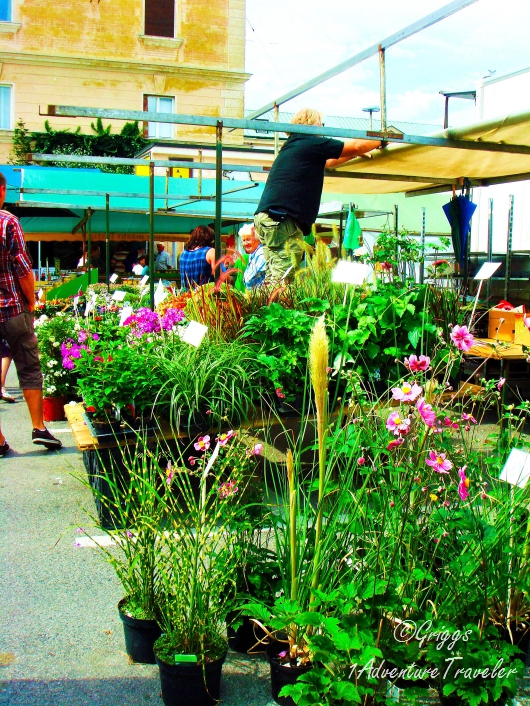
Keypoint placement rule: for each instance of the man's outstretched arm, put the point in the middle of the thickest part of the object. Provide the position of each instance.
(351, 149)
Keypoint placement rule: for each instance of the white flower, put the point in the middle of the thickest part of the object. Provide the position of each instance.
(56, 344)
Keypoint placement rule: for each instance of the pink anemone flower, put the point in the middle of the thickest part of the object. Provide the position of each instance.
(397, 423)
(415, 364)
(426, 412)
(438, 462)
(203, 443)
(395, 443)
(464, 483)
(462, 338)
(407, 393)
(500, 384)
(223, 439)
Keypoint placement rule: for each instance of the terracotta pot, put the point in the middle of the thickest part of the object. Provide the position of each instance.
(53, 408)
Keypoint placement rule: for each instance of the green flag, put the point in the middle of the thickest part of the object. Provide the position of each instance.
(352, 233)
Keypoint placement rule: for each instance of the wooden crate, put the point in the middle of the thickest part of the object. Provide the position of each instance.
(508, 326)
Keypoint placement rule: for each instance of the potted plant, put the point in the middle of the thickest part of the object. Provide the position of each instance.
(138, 503)
(201, 562)
(59, 383)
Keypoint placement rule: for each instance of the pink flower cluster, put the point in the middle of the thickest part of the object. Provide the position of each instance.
(227, 489)
(147, 321)
(408, 392)
(71, 351)
(438, 462)
(417, 365)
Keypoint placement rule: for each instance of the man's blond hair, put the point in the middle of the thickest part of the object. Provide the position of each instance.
(308, 116)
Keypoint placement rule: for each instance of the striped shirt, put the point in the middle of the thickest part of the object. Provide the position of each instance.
(255, 270)
(15, 264)
(194, 268)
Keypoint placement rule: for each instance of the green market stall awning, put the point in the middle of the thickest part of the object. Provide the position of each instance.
(51, 202)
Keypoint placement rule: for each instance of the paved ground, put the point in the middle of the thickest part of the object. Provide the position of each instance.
(61, 640)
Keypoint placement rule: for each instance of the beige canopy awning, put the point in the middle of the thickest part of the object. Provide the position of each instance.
(429, 169)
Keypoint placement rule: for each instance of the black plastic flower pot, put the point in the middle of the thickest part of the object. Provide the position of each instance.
(140, 636)
(246, 636)
(184, 684)
(282, 674)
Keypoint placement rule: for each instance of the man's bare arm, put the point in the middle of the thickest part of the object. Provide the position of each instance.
(351, 149)
(27, 284)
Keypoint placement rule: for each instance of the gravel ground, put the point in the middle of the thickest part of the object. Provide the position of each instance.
(61, 640)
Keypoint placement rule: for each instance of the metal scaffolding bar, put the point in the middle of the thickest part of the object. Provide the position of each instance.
(260, 125)
(218, 188)
(489, 254)
(152, 235)
(509, 243)
(406, 32)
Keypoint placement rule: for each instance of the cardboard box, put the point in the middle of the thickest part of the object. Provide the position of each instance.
(512, 329)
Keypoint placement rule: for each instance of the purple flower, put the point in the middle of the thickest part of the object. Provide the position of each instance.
(172, 317)
(81, 338)
(68, 364)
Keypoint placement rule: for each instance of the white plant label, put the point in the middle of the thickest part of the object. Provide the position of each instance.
(160, 293)
(125, 313)
(113, 278)
(487, 270)
(194, 333)
(144, 280)
(76, 302)
(517, 468)
(89, 307)
(347, 272)
(119, 296)
(40, 293)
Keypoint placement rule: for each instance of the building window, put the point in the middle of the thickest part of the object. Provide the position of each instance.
(5, 108)
(159, 18)
(159, 104)
(5, 10)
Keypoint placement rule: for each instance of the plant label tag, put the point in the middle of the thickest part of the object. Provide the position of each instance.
(346, 272)
(125, 313)
(160, 293)
(76, 302)
(119, 296)
(144, 280)
(487, 270)
(113, 278)
(40, 293)
(179, 659)
(517, 468)
(194, 333)
(89, 306)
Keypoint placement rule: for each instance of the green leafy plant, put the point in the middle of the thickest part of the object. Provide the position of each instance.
(51, 331)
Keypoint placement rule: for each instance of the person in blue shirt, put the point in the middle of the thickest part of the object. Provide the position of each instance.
(254, 273)
(197, 262)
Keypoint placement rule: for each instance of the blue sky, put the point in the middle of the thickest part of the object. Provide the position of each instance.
(290, 41)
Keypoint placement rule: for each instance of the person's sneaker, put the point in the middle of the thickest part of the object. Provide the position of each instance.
(44, 438)
(6, 396)
(4, 449)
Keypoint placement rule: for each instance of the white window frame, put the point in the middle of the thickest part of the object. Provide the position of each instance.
(154, 129)
(11, 87)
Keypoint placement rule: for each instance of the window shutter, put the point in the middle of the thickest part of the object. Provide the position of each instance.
(160, 18)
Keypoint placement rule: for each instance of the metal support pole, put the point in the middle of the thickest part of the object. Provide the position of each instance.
(446, 113)
(89, 242)
(382, 87)
(395, 220)
(508, 272)
(423, 232)
(199, 178)
(152, 235)
(218, 189)
(38, 259)
(168, 170)
(276, 134)
(107, 240)
(489, 255)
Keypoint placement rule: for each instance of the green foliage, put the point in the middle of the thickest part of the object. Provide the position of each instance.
(51, 332)
(102, 144)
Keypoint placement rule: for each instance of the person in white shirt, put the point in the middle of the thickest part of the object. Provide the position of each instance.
(162, 259)
(254, 273)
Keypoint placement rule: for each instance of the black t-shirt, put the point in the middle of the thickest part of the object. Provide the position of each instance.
(297, 176)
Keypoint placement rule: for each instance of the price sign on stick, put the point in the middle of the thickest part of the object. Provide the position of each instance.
(125, 313)
(347, 272)
(487, 270)
(40, 293)
(194, 333)
(113, 278)
(517, 468)
(160, 293)
(119, 296)
(144, 280)
(76, 302)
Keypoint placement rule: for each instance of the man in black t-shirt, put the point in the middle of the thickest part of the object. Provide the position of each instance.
(291, 199)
